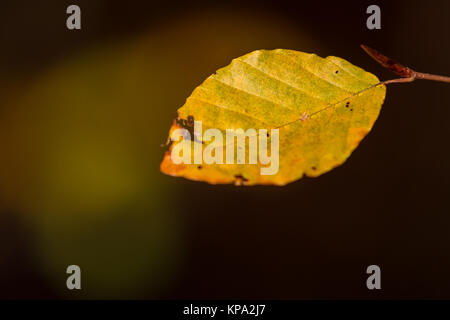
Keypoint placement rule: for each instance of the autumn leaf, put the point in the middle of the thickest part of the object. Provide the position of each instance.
(323, 108)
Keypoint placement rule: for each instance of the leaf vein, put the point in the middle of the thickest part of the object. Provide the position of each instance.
(315, 75)
(255, 95)
(286, 83)
(349, 73)
(247, 115)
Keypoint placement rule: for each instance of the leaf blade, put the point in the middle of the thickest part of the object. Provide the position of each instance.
(273, 89)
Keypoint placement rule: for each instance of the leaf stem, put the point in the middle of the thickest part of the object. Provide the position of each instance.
(433, 77)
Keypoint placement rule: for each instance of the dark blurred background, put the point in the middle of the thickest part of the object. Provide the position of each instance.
(83, 115)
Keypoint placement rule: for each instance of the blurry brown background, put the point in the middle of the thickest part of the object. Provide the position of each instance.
(83, 114)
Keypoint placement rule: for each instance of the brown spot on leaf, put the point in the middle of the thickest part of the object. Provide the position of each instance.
(240, 180)
(190, 121)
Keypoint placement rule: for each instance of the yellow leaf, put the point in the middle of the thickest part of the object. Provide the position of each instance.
(322, 109)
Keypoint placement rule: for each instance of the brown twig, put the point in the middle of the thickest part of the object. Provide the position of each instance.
(407, 74)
